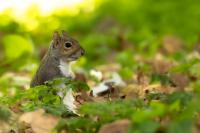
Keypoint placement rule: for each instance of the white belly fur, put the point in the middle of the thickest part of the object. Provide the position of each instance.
(68, 98)
(65, 68)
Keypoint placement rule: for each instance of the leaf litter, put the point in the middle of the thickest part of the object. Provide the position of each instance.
(111, 103)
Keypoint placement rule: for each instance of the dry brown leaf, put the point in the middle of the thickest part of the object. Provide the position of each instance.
(131, 91)
(39, 121)
(155, 88)
(16, 108)
(80, 77)
(25, 128)
(82, 97)
(197, 48)
(4, 127)
(144, 90)
(99, 99)
(119, 126)
(161, 66)
(180, 80)
(142, 79)
(171, 44)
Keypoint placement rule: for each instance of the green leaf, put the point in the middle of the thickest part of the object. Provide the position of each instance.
(154, 110)
(15, 46)
(69, 84)
(4, 114)
(194, 69)
(156, 96)
(184, 126)
(147, 127)
(126, 73)
(126, 59)
(161, 78)
(183, 97)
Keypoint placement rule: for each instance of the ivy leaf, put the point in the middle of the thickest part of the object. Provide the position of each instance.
(4, 114)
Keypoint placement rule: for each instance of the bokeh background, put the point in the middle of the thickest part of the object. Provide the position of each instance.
(126, 32)
(152, 46)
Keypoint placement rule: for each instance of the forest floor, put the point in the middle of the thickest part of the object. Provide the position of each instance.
(161, 96)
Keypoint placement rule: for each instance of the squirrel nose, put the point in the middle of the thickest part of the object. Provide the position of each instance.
(82, 51)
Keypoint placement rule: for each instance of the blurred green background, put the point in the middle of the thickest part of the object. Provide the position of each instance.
(148, 42)
(110, 31)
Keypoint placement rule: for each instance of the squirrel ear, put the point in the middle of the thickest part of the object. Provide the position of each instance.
(56, 39)
(64, 33)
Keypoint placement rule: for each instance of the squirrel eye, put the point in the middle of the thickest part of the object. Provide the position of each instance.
(68, 44)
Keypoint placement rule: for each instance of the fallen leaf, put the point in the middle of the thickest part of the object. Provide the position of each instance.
(119, 126)
(16, 108)
(25, 128)
(82, 97)
(197, 48)
(131, 91)
(161, 66)
(39, 121)
(80, 77)
(155, 88)
(180, 80)
(142, 79)
(171, 44)
(4, 127)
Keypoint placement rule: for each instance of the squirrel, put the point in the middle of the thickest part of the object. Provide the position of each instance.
(55, 64)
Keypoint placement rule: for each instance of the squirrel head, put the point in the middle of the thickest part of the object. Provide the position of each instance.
(66, 48)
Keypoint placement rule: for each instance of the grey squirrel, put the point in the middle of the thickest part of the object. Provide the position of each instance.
(63, 49)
